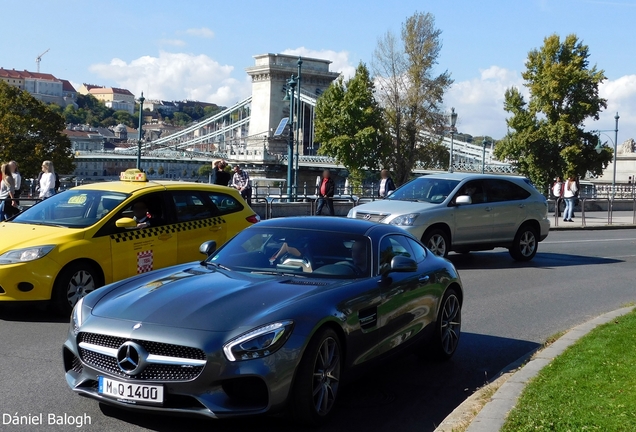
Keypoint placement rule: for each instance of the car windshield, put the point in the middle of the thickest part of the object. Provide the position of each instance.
(427, 189)
(298, 252)
(74, 208)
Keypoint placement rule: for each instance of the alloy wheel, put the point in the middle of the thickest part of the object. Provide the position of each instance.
(326, 376)
(451, 324)
(437, 245)
(527, 243)
(80, 284)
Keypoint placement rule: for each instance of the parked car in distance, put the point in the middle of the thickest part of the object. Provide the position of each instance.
(466, 212)
(277, 318)
(78, 240)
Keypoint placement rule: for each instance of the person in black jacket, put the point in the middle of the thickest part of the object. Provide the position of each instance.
(325, 193)
(386, 184)
(222, 177)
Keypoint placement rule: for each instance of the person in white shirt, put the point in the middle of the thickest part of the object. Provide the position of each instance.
(557, 191)
(47, 181)
(13, 165)
(7, 189)
(386, 184)
(569, 194)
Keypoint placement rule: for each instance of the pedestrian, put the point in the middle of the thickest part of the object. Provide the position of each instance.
(569, 194)
(557, 192)
(325, 193)
(222, 177)
(215, 166)
(386, 184)
(8, 204)
(47, 180)
(241, 181)
(16, 177)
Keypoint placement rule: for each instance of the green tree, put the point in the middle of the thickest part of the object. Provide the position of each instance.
(349, 124)
(181, 119)
(411, 94)
(161, 171)
(151, 171)
(31, 132)
(547, 136)
(204, 171)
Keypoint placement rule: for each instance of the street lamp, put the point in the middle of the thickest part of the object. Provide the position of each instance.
(141, 110)
(298, 117)
(483, 155)
(291, 87)
(453, 120)
(599, 148)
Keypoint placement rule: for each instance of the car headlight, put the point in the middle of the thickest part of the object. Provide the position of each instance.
(23, 255)
(77, 317)
(405, 220)
(259, 342)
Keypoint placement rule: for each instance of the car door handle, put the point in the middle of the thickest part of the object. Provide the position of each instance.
(424, 278)
(522, 205)
(216, 228)
(488, 209)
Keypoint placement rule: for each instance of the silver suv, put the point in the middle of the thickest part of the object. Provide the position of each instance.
(466, 212)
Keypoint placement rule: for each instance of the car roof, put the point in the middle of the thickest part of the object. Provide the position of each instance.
(322, 223)
(130, 187)
(462, 176)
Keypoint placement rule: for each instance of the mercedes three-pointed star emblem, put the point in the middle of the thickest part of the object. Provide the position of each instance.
(131, 357)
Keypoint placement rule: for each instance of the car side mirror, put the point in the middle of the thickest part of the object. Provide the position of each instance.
(208, 248)
(400, 264)
(126, 223)
(463, 200)
(390, 192)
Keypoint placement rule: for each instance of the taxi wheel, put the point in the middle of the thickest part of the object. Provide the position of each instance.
(73, 283)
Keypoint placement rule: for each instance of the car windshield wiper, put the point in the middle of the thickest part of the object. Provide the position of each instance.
(276, 273)
(210, 263)
(43, 224)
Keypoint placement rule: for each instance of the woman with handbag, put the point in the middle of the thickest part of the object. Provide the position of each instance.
(7, 193)
(569, 194)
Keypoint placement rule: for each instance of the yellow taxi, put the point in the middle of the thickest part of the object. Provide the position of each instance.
(91, 235)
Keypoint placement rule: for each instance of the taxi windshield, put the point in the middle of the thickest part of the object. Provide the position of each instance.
(74, 208)
(427, 189)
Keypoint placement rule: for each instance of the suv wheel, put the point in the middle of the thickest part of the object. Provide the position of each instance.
(436, 240)
(524, 246)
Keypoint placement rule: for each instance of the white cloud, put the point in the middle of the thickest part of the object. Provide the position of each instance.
(479, 101)
(339, 59)
(202, 32)
(176, 76)
(621, 97)
(172, 42)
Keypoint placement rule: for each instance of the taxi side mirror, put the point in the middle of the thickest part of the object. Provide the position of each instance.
(208, 248)
(126, 223)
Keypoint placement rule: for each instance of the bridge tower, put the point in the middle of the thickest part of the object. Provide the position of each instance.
(269, 79)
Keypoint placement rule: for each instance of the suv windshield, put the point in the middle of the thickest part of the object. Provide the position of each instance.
(427, 189)
(301, 252)
(74, 208)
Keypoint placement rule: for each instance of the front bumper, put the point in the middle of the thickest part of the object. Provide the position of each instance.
(222, 389)
(31, 280)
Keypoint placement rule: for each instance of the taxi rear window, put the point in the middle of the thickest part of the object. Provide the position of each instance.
(75, 208)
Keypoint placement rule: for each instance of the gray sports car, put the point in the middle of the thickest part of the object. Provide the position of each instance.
(274, 319)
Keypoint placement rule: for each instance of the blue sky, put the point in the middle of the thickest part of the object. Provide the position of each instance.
(199, 49)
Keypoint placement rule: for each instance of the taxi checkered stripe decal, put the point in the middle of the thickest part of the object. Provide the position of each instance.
(138, 234)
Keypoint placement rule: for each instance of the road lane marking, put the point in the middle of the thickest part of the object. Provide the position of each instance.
(588, 241)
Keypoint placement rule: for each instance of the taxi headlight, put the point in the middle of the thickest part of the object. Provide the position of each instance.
(23, 255)
(259, 342)
(405, 220)
(77, 317)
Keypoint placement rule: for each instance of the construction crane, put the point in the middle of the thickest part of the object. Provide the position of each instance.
(38, 59)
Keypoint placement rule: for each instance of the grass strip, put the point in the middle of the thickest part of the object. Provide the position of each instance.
(590, 387)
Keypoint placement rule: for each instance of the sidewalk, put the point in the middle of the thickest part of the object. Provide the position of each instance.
(594, 220)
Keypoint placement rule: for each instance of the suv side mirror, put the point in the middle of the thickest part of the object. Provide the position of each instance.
(208, 248)
(463, 200)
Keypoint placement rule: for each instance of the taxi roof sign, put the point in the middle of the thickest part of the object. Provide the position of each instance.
(133, 175)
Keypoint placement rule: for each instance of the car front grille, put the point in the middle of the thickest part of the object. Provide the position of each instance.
(152, 371)
(77, 365)
(373, 217)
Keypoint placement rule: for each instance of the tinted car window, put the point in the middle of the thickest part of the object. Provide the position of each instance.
(475, 190)
(193, 205)
(156, 208)
(503, 190)
(225, 204)
(391, 246)
(419, 253)
(425, 189)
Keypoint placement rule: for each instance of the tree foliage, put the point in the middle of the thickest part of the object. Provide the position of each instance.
(411, 94)
(547, 136)
(349, 124)
(31, 132)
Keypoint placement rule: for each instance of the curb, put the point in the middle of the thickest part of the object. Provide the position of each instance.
(492, 415)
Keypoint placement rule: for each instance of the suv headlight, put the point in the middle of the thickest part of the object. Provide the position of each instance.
(259, 342)
(405, 220)
(23, 255)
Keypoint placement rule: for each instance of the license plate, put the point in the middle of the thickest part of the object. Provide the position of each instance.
(129, 392)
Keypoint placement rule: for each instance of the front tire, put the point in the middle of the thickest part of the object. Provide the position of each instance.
(436, 240)
(317, 379)
(448, 326)
(525, 244)
(73, 283)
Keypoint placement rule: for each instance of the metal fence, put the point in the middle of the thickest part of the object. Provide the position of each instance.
(606, 207)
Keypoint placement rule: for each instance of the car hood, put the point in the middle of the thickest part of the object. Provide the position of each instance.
(195, 297)
(19, 235)
(395, 207)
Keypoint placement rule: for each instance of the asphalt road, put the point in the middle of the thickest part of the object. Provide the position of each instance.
(510, 308)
